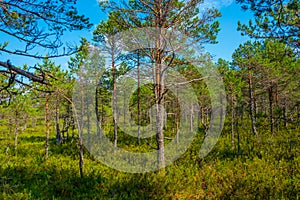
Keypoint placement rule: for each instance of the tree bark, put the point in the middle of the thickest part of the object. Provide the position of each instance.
(270, 91)
(139, 98)
(159, 101)
(97, 111)
(79, 123)
(252, 104)
(192, 118)
(113, 69)
(58, 134)
(47, 122)
(222, 111)
(285, 113)
(232, 118)
(29, 75)
(88, 125)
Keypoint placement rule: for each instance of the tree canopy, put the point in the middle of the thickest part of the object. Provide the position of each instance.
(38, 26)
(279, 19)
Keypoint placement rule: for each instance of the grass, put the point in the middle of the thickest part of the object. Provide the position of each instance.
(266, 168)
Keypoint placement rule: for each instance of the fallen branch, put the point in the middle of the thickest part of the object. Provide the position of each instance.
(31, 76)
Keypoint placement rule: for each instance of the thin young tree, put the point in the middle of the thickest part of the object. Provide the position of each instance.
(244, 57)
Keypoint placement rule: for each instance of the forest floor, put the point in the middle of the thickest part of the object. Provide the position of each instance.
(265, 167)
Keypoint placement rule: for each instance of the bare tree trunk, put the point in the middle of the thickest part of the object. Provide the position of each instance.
(222, 111)
(124, 105)
(252, 104)
(79, 124)
(177, 127)
(160, 136)
(159, 123)
(97, 111)
(80, 154)
(88, 124)
(285, 113)
(232, 119)
(58, 135)
(79, 127)
(101, 118)
(239, 140)
(298, 115)
(47, 121)
(70, 119)
(73, 128)
(192, 118)
(277, 118)
(177, 118)
(159, 101)
(270, 91)
(25, 118)
(204, 121)
(113, 69)
(139, 98)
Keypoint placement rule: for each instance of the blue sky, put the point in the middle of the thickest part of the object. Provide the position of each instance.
(228, 38)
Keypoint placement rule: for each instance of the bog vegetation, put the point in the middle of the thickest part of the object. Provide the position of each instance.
(46, 134)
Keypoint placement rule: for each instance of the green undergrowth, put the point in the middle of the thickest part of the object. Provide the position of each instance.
(263, 167)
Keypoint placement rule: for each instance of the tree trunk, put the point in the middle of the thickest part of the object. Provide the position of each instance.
(97, 111)
(69, 120)
(102, 107)
(159, 122)
(222, 111)
(113, 69)
(277, 118)
(285, 113)
(159, 100)
(47, 122)
(58, 134)
(25, 119)
(139, 99)
(270, 91)
(88, 125)
(239, 140)
(192, 118)
(73, 127)
(124, 105)
(177, 114)
(80, 154)
(252, 104)
(232, 119)
(80, 126)
(79, 123)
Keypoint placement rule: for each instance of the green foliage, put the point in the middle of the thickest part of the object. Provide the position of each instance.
(39, 24)
(267, 168)
(276, 19)
(241, 165)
